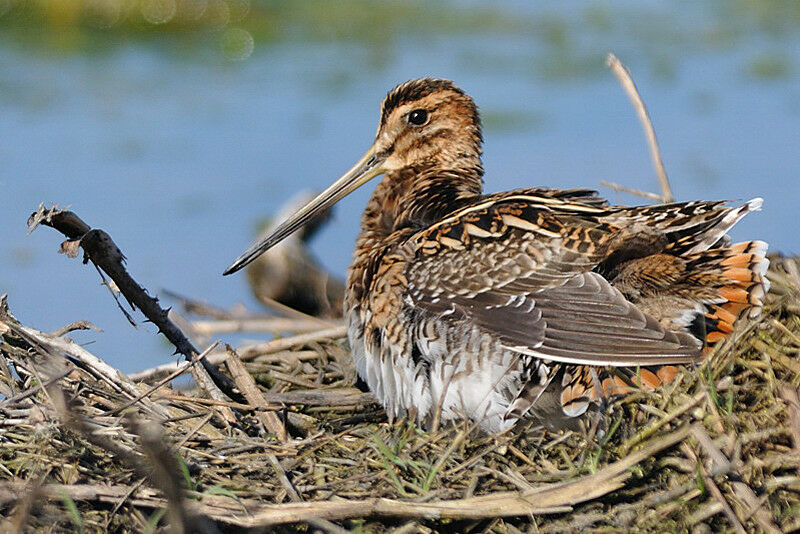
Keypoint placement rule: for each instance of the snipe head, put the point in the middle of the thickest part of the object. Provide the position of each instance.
(424, 124)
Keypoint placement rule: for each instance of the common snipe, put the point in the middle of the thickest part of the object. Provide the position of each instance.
(471, 305)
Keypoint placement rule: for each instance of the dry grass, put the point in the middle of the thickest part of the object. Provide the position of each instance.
(719, 449)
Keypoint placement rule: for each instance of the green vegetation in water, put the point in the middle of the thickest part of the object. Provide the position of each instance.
(767, 67)
(566, 44)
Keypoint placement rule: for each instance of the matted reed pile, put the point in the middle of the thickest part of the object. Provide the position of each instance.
(82, 446)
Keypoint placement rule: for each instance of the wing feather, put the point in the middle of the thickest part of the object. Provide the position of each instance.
(540, 297)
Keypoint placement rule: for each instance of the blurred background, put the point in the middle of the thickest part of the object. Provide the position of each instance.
(178, 125)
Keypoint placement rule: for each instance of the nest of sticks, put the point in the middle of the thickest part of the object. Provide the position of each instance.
(278, 436)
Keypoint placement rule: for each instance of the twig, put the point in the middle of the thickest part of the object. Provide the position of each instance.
(248, 352)
(714, 490)
(320, 397)
(204, 309)
(208, 384)
(288, 311)
(741, 490)
(123, 499)
(161, 383)
(77, 325)
(248, 387)
(165, 474)
(271, 324)
(195, 430)
(624, 76)
(290, 490)
(294, 496)
(56, 346)
(172, 396)
(630, 190)
(34, 390)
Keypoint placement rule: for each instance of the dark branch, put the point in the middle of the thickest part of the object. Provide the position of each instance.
(101, 250)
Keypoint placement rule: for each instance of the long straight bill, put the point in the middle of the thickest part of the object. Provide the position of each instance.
(367, 168)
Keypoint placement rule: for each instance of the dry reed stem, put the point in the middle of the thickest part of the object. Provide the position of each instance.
(250, 351)
(740, 489)
(152, 389)
(632, 191)
(625, 78)
(248, 387)
(271, 324)
(712, 487)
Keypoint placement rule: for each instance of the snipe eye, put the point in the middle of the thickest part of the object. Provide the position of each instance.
(418, 117)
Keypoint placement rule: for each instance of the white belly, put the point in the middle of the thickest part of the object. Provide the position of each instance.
(461, 376)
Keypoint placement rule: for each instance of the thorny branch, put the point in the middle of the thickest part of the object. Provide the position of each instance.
(104, 254)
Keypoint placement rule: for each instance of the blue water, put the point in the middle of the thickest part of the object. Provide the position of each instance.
(179, 154)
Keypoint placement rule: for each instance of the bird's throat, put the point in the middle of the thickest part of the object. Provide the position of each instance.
(414, 198)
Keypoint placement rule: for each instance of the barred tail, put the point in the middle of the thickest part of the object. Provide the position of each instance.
(726, 285)
(585, 384)
(740, 288)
